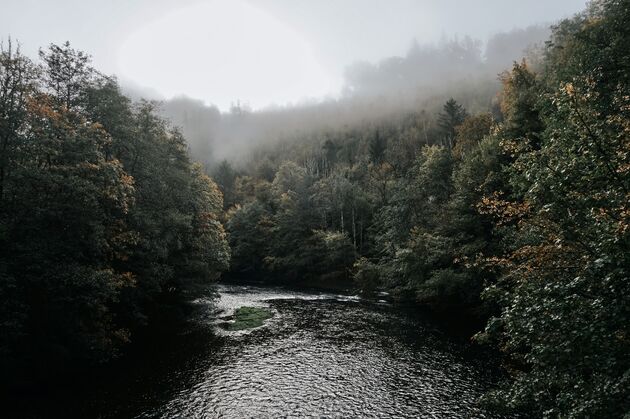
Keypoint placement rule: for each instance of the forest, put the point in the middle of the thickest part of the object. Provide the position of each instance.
(505, 211)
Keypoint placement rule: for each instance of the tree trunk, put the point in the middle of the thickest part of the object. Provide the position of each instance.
(361, 235)
(1, 183)
(354, 230)
(342, 226)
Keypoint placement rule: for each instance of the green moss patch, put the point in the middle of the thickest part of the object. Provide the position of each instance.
(248, 318)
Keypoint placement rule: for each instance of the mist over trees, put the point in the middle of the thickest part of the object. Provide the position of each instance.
(423, 79)
(431, 68)
(500, 203)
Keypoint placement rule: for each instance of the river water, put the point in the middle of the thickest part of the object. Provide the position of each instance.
(321, 355)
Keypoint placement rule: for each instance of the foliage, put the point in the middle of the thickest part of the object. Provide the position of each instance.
(565, 290)
(527, 205)
(452, 115)
(517, 215)
(366, 275)
(470, 132)
(102, 214)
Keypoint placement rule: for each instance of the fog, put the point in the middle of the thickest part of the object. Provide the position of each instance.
(237, 73)
(419, 81)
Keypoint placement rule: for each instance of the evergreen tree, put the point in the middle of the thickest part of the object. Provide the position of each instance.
(378, 146)
(453, 114)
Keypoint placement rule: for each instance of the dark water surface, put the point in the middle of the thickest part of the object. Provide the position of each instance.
(321, 355)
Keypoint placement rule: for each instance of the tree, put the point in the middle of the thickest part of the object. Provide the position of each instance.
(378, 146)
(453, 114)
(225, 176)
(564, 291)
(366, 275)
(519, 106)
(18, 82)
(67, 74)
(64, 237)
(471, 132)
(331, 149)
(206, 249)
(250, 228)
(102, 214)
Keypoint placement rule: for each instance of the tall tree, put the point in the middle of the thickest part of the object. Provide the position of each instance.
(18, 83)
(67, 74)
(453, 114)
(377, 148)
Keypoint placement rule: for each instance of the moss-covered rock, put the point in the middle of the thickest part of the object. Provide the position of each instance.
(248, 318)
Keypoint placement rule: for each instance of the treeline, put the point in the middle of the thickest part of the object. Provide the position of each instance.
(104, 219)
(519, 215)
(433, 68)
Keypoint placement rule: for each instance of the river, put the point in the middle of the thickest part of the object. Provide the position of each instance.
(321, 355)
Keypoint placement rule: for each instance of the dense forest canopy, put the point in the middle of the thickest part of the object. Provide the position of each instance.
(517, 213)
(504, 202)
(103, 216)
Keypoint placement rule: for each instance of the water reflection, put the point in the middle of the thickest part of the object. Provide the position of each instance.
(328, 356)
(321, 355)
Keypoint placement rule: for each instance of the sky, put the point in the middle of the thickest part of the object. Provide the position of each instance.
(256, 52)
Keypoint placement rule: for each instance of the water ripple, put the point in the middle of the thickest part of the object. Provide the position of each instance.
(326, 356)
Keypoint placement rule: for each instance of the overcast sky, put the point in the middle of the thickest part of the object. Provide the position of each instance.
(260, 52)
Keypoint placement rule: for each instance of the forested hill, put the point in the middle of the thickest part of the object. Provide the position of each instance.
(516, 215)
(513, 212)
(372, 93)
